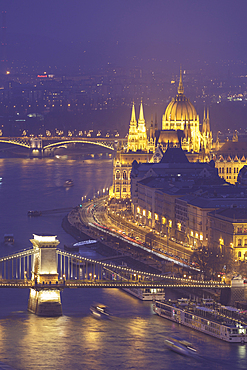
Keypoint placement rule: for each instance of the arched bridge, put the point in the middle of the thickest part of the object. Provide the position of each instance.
(47, 270)
(46, 144)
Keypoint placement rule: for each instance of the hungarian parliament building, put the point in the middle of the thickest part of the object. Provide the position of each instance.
(180, 182)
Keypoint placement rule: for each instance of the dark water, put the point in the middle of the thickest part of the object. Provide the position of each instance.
(133, 339)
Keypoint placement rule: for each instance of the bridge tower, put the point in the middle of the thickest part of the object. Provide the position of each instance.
(36, 147)
(44, 297)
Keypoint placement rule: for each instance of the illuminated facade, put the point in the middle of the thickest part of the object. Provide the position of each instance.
(228, 229)
(138, 149)
(181, 115)
(230, 159)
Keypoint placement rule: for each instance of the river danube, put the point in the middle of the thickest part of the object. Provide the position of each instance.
(133, 339)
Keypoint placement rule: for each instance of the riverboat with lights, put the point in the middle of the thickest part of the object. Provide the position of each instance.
(223, 322)
(99, 311)
(181, 346)
(147, 294)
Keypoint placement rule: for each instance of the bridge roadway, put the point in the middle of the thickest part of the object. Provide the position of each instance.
(177, 283)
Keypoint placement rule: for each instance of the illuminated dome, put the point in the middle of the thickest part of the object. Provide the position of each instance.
(180, 108)
(181, 115)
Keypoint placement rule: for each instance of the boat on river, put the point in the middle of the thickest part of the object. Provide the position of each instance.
(9, 239)
(68, 183)
(34, 213)
(147, 294)
(100, 311)
(223, 322)
(180, 346)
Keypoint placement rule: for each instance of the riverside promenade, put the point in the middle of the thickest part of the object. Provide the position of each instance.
(109, 247)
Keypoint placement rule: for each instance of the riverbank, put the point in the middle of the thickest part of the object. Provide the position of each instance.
(73, 225)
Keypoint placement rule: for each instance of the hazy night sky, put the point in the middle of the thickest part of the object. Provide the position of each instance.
(72, 32)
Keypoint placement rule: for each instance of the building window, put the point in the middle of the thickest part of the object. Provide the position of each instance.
(245, 242)
(227, 170)
(223, 170)
(239, 230)
(239, 242)
(239, 254)
(118, 190)
(230, 170)
(124, 190)
(220, 170)
(124, 175)
(117, 175)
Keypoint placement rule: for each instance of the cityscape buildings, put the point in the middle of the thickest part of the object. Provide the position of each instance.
(179, 182)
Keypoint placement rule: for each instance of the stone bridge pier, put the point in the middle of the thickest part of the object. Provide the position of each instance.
(44, 298)
(36, 149)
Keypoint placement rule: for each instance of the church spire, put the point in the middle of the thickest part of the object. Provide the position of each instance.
(180, 86)
(133, 114)
(141, 115)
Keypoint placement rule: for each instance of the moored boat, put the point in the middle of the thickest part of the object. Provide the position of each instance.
(223, 322)
(147, 294)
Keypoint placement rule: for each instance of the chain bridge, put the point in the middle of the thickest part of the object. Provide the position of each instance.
(46, 271)
(44, 146)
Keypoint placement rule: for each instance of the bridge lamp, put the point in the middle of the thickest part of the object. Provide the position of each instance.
(90, 275)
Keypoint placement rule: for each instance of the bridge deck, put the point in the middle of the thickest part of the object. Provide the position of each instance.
(110, 284)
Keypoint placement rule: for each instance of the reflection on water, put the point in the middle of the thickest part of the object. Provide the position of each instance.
(133, 339)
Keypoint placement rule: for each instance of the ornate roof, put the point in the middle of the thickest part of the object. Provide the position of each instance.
(180, 108)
